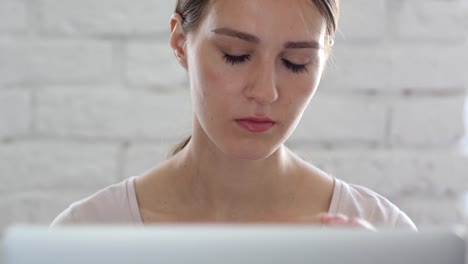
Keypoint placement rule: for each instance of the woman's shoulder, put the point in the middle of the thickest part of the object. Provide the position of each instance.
(358, 201)
(113, 204)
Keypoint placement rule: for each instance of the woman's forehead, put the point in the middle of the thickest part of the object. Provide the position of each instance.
(288, 18)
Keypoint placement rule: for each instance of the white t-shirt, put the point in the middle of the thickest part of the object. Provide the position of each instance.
(117, 204)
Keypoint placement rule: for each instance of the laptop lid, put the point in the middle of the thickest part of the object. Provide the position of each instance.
(229, 244)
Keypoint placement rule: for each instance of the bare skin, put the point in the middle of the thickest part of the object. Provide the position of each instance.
(172, 193)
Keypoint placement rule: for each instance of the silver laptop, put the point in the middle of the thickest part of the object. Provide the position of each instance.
(229, 244)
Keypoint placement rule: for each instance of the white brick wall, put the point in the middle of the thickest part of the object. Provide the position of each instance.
(33, 61)
(144, 69)
(432, 20)
(15, 113)
(356, 67)
(362, 19)
(439, 66)
(32, 165)
(14, 16)
(391, 67)
(106, 17)
(86, 88)
(421, 209)
(124, 115)
(428, 121)
(334, 119)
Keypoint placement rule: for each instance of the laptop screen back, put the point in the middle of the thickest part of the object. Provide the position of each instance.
(229, 244)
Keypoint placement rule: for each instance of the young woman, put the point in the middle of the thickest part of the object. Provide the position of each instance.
(253, 68)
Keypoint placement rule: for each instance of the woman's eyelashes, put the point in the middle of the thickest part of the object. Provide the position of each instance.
(233, 60)
(296, 68)
(236, 59)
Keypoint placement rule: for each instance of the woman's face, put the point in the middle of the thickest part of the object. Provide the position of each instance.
(261, 58)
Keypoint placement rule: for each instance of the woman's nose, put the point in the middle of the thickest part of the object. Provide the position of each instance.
(263, 85)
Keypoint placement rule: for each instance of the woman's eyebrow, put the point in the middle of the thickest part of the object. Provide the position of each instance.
(254, 39)
(302, 45)
(237, 34)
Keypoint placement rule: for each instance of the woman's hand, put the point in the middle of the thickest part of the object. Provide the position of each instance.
(341, 220)
(338, 220)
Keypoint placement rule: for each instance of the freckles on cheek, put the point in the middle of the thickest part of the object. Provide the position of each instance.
(210, 88)
(217, 81)
(208, 74)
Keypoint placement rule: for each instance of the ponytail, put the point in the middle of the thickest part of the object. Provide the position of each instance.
(181, 145)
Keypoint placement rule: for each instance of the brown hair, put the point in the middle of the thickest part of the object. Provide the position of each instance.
(192, 11)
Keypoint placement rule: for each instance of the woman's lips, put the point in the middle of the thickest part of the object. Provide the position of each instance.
(255, 126)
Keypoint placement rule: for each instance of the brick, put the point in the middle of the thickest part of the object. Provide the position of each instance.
(362, 19)
(357, 67)
(116, 115)
(428, 67)
(54, 61)
(424, 172)
(47, 165)
(338, 119)
(14, 16)
(36, 207)
(115, 17)
(428, 122)
(449, 173)
(154, 64)
(15, 113)
(394, 173)
(432, 20)
(419, 67)
(143, 156)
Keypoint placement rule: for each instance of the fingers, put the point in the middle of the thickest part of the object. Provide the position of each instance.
(338, 220)
(334, 219)
(345, 221)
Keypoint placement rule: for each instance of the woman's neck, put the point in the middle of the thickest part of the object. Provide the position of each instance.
(227, 186)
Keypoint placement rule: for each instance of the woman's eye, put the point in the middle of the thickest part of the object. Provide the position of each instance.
(235, 59)
(296, 68)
